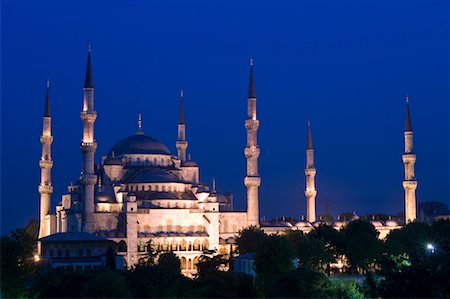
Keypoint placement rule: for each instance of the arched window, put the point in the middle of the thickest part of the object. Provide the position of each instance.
(183, 245)
(196, 260)
(122, 247)
(197, 245)
(189, 264)
(169, 225)
(174, 245)
(183, 263)
(205, 244)
(190, 246)
(165, 245)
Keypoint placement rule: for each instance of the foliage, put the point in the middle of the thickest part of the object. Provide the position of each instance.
(110, 261)
(361, 245)
(274, 257)
(106, 284)
(249, 238)
(17, 263)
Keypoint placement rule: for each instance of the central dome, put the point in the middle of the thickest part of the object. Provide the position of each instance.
(139, 144)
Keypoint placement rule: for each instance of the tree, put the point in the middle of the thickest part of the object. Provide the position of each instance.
(361, 244)
(249, 238)
(274, 257)
(311, 252)
(106, 284)
(17, 263)
(110, 259)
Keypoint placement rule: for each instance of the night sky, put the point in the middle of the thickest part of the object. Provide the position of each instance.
(345, 65)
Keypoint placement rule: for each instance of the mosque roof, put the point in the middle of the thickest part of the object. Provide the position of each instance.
(149, 175)
(139, 144)
(72, 236)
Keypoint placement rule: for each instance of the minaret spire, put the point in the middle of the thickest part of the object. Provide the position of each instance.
(46, 163)
(252, 181)
(251, 84)
(408, 125)
(88, 147)
(47, 101)
(181, 143)
(310, 173)
(89, 80)
(409, 159)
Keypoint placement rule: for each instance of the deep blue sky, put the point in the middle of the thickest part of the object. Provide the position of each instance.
(346, 65)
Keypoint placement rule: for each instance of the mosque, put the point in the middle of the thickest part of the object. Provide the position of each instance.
(139, 191)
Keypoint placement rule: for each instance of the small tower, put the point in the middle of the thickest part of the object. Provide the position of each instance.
(310, 173)
(46, 164)
(181, 144)
(88, 147)
(252, 180)
(409, 158)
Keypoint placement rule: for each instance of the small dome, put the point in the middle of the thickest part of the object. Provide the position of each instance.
(112, 161)
(303, 224)
(104, 197)
(376, 223)
(391, 223)
(139, 144)
(189, 163)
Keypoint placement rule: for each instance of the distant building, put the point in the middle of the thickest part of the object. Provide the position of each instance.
(245, 263)
(77, 251)
(433, 210)
(139, 192)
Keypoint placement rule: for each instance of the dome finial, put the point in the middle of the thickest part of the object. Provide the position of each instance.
(139, 129)
(213, 185)
(99, 183)
(189, 157)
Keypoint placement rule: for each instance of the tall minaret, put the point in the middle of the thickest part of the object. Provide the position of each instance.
(252, 180)
(181, 144)
(310, 173)
(409, 158)
(88, 148)
(46, 164)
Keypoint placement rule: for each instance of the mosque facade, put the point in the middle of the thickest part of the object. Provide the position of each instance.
(139, 191)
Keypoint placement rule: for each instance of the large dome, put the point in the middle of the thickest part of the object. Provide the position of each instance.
(139, 144)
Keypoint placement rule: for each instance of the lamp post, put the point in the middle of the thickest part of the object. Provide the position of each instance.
(430, 248)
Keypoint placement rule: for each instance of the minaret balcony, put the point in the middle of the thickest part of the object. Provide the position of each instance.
(45, 163)
(252, 152)
(88, 179)
(410, 185)
(252, 181)
(88, 116)
(46, 139)
(45, 189)
(251, 124)
(88, 146)
(409, 158)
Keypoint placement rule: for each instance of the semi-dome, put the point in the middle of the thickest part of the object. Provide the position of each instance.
(139, 144)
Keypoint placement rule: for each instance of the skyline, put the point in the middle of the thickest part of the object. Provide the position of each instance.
(345, 133)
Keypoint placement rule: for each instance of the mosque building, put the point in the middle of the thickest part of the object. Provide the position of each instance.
(141, 192)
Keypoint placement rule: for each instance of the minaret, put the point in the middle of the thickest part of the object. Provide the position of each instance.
(88, 148)
(409, 158)
(181, 144)
(310, 173)
(46, 164)
(252, 180)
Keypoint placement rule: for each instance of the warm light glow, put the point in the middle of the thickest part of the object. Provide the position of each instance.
(37, 258)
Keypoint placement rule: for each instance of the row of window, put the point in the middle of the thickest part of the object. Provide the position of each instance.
(67, 252)
(160, 188)
(174, 246)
